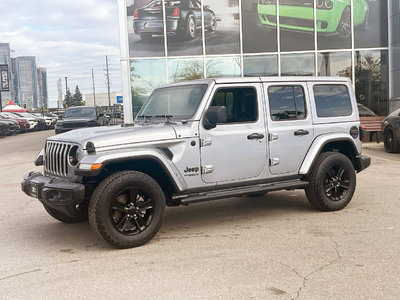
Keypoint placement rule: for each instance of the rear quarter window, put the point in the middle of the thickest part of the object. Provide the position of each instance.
(332, 100)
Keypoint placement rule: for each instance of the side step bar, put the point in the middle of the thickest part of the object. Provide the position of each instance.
(239, 191)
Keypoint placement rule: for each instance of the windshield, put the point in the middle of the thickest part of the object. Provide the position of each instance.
(80, 112)
(178, 102)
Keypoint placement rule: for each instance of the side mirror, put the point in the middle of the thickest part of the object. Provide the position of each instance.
(215, 115)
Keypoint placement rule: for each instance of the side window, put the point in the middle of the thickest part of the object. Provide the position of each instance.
(287, 102)
(241, 104)
(332, 100)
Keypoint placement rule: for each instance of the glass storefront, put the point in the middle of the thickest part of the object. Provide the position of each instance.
(176, 40)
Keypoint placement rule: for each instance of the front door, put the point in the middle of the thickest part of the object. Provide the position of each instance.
(290, 126)
(236, 149)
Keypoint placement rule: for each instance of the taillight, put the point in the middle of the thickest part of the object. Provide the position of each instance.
(363, 133)
(136, 14)
(176, 12)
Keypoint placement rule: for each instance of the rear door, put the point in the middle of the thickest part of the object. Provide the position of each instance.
(289, 124)
(236, 149)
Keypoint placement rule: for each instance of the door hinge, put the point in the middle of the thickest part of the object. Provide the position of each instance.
(272, 136)
(207, 169)
(205, 142)
(274, 162)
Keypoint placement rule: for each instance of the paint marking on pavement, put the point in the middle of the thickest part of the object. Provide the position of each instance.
(385, 159)
(19, 274)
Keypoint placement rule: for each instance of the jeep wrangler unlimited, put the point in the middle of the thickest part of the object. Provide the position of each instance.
(204, 140)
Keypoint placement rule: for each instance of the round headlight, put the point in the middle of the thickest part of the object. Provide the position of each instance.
(328, 4)
(320, 3)
(74, 156)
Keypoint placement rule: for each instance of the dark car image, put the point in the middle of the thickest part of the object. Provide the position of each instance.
(79, 117)
(183, 18)
(391, 132)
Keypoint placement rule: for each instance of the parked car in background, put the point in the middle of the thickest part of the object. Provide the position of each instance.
(364, 111)
(32, 121)
(391, 132)
(22, 123)
(81, 116)
(334, 16)
(183, 19)
(11, 127)
(50, 121)
(41, 122)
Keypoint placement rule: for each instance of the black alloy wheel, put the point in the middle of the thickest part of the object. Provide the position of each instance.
(344, 27)
(336, 183)
(132, 211)
(127, 209)
(389, 141)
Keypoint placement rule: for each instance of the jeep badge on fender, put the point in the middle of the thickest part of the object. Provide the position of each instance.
(204, 140)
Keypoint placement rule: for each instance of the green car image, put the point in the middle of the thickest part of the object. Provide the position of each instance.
(333, 16)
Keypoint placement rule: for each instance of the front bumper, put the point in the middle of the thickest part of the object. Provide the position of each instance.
(55, 192)
(362, 162)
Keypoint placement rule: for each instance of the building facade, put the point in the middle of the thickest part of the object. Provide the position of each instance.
(171, 41)
(43, 95)
(5, 59)
(101, 99)
(27, 81)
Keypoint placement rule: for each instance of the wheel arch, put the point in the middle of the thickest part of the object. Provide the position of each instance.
(344, 145)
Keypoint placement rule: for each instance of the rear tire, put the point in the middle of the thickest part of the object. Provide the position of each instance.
(81, 216)
(344, 27)
(332, 182)
(190, 28)
(127, 209)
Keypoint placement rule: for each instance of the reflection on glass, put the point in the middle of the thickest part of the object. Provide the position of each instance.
(370, 23)
(222, 24)
(184, 26)
(146, 75)
(334, 24)
(298, 64)
(296, 23)
(372, 80)
(259, 33)
(185, 69)
(146, 29)
(335, 64)
(260, 65)
(223, 67)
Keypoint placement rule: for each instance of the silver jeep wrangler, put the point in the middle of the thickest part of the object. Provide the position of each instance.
(204, 140)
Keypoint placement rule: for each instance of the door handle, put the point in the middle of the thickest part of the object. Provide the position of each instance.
(301, 132)
(255, 136)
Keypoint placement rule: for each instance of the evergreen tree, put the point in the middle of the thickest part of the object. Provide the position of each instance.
(77, 97)
(68, 99)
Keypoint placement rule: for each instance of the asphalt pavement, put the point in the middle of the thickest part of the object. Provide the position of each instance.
(271, 247)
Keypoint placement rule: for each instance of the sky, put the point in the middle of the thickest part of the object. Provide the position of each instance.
(68, 37)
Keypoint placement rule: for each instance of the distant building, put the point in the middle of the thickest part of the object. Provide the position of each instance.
(27, 81)
(5, 59)
(42, 88)
(102, 99)
(60, 94)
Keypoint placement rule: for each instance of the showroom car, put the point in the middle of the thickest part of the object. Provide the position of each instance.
(333, 16)
(391, 132)
(183, 19)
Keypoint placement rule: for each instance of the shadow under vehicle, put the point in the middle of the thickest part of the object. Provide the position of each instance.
(183, 18)
(333, 16)
(79, 117)
(391, 132)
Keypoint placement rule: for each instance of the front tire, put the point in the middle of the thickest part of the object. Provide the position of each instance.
(127, 209)
(332, 182)
(191, 28)
(344, 27)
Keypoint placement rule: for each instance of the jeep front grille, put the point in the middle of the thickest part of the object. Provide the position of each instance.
(56, 158)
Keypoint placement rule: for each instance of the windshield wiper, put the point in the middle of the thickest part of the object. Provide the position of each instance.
(167, 118)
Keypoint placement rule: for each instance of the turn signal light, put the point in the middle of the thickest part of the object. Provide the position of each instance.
(96, 167)
(136, 14)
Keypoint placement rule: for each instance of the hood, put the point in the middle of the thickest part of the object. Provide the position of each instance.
(76, 120)
(108, 136)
